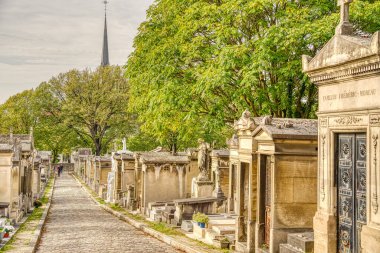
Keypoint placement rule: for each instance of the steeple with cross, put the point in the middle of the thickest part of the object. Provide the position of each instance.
(344, 27)
(105, 56)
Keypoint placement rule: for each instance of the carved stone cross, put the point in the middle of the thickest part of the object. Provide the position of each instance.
(344, 10)
(344, 27)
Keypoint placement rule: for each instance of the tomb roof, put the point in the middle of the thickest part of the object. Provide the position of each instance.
(84, 151)
(284, 128)
(45, 155)
(196, 200)
(164, 157)
(6, 147)
(349, 53)
(103, 158)
(8, 137)
(23, 137)
(342, 49)
(220, 152)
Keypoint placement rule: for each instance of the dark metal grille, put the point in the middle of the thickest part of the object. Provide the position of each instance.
(351, 191)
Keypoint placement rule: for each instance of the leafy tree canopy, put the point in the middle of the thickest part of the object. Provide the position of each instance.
(198, 64)
(74, 109)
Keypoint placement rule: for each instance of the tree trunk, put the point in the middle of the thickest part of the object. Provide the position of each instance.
(98, 146)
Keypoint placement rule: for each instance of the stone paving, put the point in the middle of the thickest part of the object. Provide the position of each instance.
(76, 224)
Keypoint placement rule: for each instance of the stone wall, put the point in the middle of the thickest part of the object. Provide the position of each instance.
(164, 187)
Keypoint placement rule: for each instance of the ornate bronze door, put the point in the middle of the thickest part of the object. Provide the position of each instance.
(351, 180)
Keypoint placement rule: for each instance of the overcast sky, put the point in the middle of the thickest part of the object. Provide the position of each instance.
(42, 38)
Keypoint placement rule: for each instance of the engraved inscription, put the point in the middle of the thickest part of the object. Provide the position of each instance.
(350, 94)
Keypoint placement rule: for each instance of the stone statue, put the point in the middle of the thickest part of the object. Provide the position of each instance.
(245, 122)
(234, 141)
(267, 120)
(203, 158)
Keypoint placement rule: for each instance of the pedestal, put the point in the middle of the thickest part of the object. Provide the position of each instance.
(202, 189)
(325, 237)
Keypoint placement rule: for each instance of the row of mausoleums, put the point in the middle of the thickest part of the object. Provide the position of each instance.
(255, 193)
(284, 185)
(23, 174)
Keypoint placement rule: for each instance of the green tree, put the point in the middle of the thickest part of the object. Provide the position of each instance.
(74, 109)
(17, 113)
(92, 104)
(198, 64)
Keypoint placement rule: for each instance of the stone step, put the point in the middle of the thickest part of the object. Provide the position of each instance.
(287, 248)
(302, 241)
(260, 250)
(224, 230)
(210, 235)
(222, 222)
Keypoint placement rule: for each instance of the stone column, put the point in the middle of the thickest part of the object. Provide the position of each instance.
(251, 204)
(230, 200)
(240, 206)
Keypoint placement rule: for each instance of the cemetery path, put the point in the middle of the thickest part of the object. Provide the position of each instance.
(76, 224)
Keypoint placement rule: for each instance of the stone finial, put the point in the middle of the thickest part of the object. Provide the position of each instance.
(245, 122)
(124, 144)
(31, 132)
(234, 141)
(344, 27)
(267, 120)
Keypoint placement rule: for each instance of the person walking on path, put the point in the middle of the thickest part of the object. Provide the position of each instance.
(60, 169)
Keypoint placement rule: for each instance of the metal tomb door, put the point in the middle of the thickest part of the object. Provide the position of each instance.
(351, 183)
(267, 200)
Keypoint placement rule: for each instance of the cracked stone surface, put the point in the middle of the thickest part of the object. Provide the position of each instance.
(76, 224)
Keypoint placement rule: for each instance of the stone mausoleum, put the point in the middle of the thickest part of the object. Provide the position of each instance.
(347, 73)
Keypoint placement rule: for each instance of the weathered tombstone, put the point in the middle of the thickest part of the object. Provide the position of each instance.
(110, 186)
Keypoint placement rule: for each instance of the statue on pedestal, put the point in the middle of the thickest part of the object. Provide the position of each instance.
(203, 160)
(245, 122)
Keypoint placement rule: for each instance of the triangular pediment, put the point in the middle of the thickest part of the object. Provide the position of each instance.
(341, 49)
(262, 135)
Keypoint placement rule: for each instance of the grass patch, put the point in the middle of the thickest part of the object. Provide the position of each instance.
(116, 207)
(164, 228)
(136, 217)
(204, 245)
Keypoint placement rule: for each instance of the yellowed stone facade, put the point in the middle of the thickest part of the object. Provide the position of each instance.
(347, 72)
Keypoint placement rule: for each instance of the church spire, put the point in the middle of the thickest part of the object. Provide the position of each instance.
(105, 56)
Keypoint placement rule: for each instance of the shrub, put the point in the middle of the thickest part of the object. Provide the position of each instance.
(201, 218)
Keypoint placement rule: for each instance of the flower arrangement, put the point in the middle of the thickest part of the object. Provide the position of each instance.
(201, 219)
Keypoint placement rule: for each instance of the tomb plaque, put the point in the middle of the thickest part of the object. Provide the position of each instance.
(358, 94)
(245, 144)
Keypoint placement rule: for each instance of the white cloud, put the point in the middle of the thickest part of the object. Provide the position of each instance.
(42, 38)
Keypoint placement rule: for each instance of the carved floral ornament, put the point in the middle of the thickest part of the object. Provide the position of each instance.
(374, 120)
(348, 120)
(375, 204)
(323, 194)
(323, 121)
